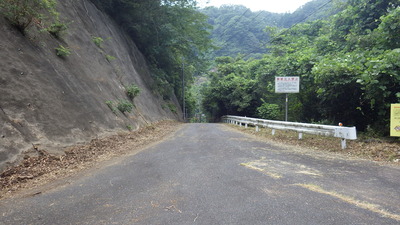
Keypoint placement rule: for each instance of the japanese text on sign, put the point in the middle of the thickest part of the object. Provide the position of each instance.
(287, 84)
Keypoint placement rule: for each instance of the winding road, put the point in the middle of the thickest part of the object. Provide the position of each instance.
(212, 174)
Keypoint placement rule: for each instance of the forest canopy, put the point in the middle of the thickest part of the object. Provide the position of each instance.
(349, 66)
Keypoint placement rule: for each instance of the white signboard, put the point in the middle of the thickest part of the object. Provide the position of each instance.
(287, 84)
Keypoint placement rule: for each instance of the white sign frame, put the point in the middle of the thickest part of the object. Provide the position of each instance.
(287, 85)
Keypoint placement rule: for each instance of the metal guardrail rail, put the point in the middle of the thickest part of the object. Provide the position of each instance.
(344, 133)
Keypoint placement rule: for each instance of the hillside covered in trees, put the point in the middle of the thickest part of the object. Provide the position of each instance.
(238, 30)
(349, 65)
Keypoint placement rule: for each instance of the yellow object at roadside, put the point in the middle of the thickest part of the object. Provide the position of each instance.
(395, 120)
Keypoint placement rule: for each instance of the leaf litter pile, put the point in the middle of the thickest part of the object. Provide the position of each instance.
(44, 167)
(380, 150)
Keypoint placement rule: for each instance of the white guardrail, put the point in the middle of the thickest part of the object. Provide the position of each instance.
(326, 130)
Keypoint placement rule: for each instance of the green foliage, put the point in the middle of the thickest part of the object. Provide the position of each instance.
(110, 105)
(238, 30)
(124, 106)
(22, 13)
(62, 51)
(98, 41)
(348, 64)
(231, 90)
(129, 127)
(269, 111)
(110, 58)
(172, 107)
(57, 29)
(132, 91)
(169, 34)
(388, 32)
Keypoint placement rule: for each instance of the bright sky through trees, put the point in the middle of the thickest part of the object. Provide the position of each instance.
(278, 6)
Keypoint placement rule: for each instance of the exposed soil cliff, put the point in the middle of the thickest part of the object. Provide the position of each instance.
(52, 102)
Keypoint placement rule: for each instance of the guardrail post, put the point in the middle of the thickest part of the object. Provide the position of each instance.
(343, 142)
(273, 131)
(245, 125)
(257, 129)
(300, 136)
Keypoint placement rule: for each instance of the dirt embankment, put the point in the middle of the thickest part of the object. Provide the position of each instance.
(51, 102)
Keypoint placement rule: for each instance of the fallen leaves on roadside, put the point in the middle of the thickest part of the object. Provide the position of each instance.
(377, 150)
(44, 167)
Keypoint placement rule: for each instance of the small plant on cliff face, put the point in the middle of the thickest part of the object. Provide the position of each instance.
(22, 13)
(172, 107)
(110, 105)
(98, 41)
(132, 91)
(57, 29)
(124, 106)
(62, 51)
(110, 58)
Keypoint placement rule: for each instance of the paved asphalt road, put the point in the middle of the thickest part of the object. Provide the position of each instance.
(210, 174)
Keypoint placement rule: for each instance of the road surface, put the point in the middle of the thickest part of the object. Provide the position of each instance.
(211, 174)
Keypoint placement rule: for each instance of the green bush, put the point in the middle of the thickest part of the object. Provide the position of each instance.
(269, 111)
(22, 13)
(124, 106)
(98, 41)
(57, 29)
(132, 91)
(110, 58)
(129, 127)
(62, 51)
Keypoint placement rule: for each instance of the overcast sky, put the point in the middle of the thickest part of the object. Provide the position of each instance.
(278, 6)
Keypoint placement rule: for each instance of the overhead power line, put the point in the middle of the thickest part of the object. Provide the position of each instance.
(223, 32)
(235, 34)
(305, 18)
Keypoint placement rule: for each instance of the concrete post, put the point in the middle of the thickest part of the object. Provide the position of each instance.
(343, 142)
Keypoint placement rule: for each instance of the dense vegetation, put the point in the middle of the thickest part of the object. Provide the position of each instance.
(239, 30)
(349, 66)
(171, 34)
(21, 14)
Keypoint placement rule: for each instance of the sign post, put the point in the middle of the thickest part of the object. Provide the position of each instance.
(287, 85)
(395, 120)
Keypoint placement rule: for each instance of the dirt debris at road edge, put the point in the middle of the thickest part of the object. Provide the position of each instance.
(376, 150)
(38, 170)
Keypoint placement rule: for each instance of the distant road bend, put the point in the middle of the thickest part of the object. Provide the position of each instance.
(211, 174)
